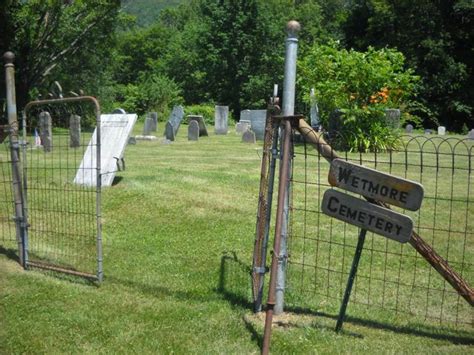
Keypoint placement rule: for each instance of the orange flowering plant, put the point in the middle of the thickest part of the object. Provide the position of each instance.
(360, 86)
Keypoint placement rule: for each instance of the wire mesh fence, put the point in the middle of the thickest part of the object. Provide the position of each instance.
(7, 212)
(63, 216)
(391, 276)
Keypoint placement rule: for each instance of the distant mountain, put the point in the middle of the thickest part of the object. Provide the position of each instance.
(147, 11)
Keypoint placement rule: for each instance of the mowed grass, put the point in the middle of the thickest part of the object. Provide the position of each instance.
(178, 231)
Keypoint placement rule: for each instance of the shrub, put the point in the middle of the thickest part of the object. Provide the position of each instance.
(361, 85)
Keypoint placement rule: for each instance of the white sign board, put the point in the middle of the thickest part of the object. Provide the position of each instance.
(114, 132)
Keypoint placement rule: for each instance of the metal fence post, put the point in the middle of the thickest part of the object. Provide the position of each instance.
(9, 58)
(288, 108)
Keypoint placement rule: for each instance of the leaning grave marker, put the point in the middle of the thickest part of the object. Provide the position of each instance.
(174, 121)
(114, 133)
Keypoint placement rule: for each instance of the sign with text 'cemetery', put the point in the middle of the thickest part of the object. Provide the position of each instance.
(376, 185)
(367, 216)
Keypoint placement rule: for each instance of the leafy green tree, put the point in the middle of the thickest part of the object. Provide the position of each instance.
(361, 85)
(65, 41)
(436, 37)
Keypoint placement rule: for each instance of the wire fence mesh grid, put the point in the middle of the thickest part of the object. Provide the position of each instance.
(62, 215)
(7, 211)
(391, 276)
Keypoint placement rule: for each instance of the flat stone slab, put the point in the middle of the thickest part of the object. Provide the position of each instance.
(114, 132)
(146, 138)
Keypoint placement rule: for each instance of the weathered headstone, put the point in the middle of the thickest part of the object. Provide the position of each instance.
(427, 131)
(248, 137)
(314, 111)
(470, 135)
(245, 116)
(257, 122)
(114, 133)
(392, 117)
(202, 125)
(193, 131)
(74, 131)
(45, 131)
(242, 126)
(132, 141)
(221, 117)
(441, 131)
(169, 132)
(408, 128)
(154, 125)
(147, 126)
(174, 121)
(119, 111)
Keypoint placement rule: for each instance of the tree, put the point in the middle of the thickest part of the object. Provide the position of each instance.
(67, 41)
(436, 37)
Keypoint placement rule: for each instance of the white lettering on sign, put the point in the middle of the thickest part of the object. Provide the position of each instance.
(368, 216)
(376, 185)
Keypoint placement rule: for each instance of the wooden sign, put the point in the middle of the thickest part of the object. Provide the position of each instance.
(376, 185)
(367, 216)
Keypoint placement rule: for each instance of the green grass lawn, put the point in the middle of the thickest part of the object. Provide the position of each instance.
(178, 231)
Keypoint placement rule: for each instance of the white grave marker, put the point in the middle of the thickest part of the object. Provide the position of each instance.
(114, 132)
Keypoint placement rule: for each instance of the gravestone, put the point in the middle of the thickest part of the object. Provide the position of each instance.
(244, 116)
(193, 131)
(154, 124)
(257, 122)
(169, 132)
(427, 131)
(248, 137)
(174, 121)
(392, 117)
(148, 126)
(114, 134)
(441, 131)
(314, 111)
(119, 111)
(470, 135)
(45, 131)
(202, 125)
(74, 131)
(409, 128)
(242, 126)
(221, 117)
(132, 141)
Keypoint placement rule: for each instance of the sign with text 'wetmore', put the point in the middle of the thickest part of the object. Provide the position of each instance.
(376, 185)
(367, 216)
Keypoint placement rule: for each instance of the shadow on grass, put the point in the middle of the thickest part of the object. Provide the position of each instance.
(235, 283)
(10, 254)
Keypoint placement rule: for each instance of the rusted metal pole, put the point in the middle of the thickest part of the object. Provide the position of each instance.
(424, 249)
(282, 195)
(9, 58)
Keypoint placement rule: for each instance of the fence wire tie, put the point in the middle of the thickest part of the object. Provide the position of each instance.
(260, 270)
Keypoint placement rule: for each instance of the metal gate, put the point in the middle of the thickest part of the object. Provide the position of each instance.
(63, 231)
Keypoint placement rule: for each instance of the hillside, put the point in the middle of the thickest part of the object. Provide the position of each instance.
(147, 11)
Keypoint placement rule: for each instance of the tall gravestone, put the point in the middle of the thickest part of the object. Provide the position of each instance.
(193, 131)
(314, 111)
(257, 122)
(202, 125)
(45, 131)
(74, 131)
(154, 124)
(148, 126)
(221, 117)
(174, 121)
(114, 133)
